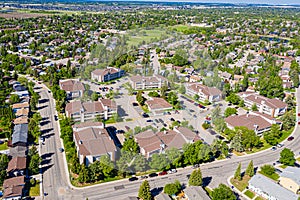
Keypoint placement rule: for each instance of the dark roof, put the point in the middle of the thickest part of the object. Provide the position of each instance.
(20, 133)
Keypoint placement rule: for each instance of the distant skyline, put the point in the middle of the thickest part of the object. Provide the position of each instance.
(271, 2)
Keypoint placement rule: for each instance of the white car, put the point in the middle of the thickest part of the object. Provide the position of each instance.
(172, 171)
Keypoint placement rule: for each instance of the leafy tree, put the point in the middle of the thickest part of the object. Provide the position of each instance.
(236, 143)
(172, 98)
(140, 98)
(158, 161)
(140, 163)
(196, 178)
(172, 188)
(287, 157)
(294, 73)
(290, 102)
(288, 120)
(219, 124)
(106, 166)
(268, 170)
(174, 155)
(273, 135)
(75, 165)
(3, 166)
(153, 94)
(181, 89)
(131, 146)
(84, 175)
(95, 96)
(144, 191)
(34, 160)
(230, 111)
(237, 174)
(250, 169)
(95, 171)
(233, 98)
(14, 98)
(254, 107)
(222, 192)
(215, 113)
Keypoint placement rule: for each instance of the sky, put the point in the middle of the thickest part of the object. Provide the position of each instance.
(276, 2)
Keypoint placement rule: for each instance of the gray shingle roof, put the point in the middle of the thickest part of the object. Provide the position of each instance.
(196, 193)
(20, 133)
(271, 188)
(292, 173)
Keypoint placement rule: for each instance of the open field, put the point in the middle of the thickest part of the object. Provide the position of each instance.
(138, 36)
(21, 15)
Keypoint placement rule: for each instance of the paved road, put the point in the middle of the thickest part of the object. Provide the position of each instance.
(215, 173)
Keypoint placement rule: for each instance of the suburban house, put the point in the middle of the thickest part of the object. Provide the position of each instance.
(73, 88)
(16, 166)
(20, 134)
(268, 189)
(195, 193)
(272, 107)
(104, 75)
(253, 121)
(147, 82)
(92, 141)
(162, 196)
(23, 112)
(290, 179)
(13, 188)
(18, 106)
(84, 111)
(151, 143)
(21, 120)
(205, 93)
(158, 105)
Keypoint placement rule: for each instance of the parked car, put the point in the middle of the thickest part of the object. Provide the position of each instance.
(176, 112)
(162, 173)
(55, 117)
(153, 175)
(145, 115)
(273, 148)
(290, 138)
(156, 120)
(161, 121)
(172, 119)
(135, 104)
(172, 171)
(61, 150)
(195, 166)
(149, 120)
(133, 179)
(279, 145)
(144, 177)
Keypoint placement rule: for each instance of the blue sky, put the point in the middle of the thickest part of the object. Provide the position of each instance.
(238, 1)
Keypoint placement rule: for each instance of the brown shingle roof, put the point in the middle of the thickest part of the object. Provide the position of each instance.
(94, 141)
(15, 181)
(102, 72)
(13, 191)
(208, 91)
(21, 120)
(248, 121)
(22, 112)
(20, 105)
(158, 103)
(77, 106)
(272, 103)
(71, 85)
(16, 163)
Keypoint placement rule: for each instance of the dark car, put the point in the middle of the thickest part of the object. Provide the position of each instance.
(55, 117)
(172, 119)
(153, 175)
(161, 121)
(145, 115)
(133, 179)
(135, 104)
(162, 173)
(61, 150)
(149, 120)
(290, 138)
(156, 120)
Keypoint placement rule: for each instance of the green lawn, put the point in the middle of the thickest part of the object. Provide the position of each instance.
(3, 146)
(136, 37)
(240, 185)
(249, 194)
(298, 159)
(35, 190)
(259, 198)
(274, 176)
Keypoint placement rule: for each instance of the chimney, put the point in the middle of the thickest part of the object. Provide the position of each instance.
(80, 142)
(165, 132)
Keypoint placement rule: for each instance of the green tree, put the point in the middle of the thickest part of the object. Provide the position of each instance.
(287, 157)
(216, 113)
(172, 188)
(95, 171)
(107, 166)
(254, 107)
(130, 145)
(233, 98)
(3, 166)
(84, 175)
(196, 178)
(181, 89)
(237, 174)
(230, 111)
(14, 98)
(139, 163)
(268, 170)
(222, 192)
(250, 169)
(273, 135)
(140, 98)
(34, 160)
(290, 102)
(95, 96)
(220, 124)
(144, 191)
(236, 143)
(158, 161)
(288, 120)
